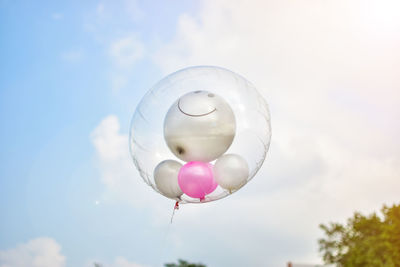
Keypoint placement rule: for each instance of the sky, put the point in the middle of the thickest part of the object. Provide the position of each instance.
(72, 74)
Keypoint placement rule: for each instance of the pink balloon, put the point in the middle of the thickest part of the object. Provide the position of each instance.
(196, 179)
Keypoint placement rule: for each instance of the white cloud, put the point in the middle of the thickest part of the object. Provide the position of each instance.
(118, 262)
(328, 75)
(112, 10)
(40, 252)
(126, 51)
(118, 174)
(109, 143)
(122, 262)
(132, 9)
(72, 55)
(100, 9)
(118, 80)
(109, 18)
(113, 25)
(329, 72)
(57, 16)
(114, 162)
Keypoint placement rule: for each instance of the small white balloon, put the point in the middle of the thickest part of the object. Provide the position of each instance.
(199, 126)
(231, 171)
(166, 178)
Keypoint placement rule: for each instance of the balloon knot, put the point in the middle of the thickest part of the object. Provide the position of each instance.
(176, 206)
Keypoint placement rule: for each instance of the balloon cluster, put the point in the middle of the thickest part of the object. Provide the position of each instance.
(200, 134)
(199, 128)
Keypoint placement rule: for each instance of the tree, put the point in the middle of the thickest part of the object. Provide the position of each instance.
(372, 240)
(182, 263)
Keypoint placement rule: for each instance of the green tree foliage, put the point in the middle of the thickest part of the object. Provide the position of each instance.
(182, 263)
(372, 241)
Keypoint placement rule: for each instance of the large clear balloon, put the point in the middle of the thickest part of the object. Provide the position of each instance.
(200, 134)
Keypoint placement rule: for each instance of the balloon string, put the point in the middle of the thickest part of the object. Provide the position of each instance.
(164, 241)
(176, 207)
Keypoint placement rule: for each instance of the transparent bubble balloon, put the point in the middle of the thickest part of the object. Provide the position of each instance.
(200, 134)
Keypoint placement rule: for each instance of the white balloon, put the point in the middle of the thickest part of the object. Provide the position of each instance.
(199, 126)
(231, 171)
(166, 178)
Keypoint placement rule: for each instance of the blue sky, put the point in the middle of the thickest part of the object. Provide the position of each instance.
(71, 75)
(55, 88)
